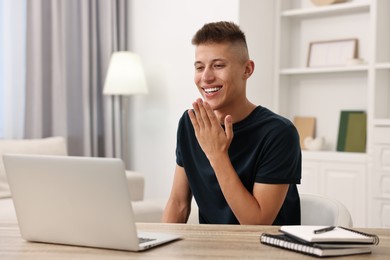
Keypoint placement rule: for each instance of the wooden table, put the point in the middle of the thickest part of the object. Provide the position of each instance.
(199, 242)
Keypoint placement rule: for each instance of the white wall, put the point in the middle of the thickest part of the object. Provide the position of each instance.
(161, 33)
(257, 21)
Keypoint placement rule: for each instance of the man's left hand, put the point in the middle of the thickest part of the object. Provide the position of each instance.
(213, 139)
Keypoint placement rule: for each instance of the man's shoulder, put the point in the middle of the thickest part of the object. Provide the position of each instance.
(273, 117)
(185, 128)
(184, 118)
(269, 120)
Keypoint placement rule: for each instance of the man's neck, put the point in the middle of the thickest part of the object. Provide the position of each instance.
(237, 113)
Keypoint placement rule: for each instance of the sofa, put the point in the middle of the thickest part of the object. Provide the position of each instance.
(144, 210)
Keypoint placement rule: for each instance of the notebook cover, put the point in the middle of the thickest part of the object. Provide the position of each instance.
(339, 235)
(305, 127)
(355, 140)
(343, 126)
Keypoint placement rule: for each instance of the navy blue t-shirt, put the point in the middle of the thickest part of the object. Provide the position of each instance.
(265, 149)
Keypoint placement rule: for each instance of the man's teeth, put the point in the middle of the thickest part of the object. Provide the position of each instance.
(209, 90)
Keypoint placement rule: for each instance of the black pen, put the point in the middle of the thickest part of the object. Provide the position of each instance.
(323, 230)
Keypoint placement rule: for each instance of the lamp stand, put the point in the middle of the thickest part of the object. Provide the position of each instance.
(117, 132)
(121, 128)
(125, 130)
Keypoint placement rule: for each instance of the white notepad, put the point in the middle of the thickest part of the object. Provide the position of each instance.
(338, 234)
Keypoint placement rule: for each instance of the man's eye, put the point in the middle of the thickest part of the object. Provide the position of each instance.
(199, 68)
(219, 66)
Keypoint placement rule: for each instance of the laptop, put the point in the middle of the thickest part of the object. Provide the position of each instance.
(80, 201)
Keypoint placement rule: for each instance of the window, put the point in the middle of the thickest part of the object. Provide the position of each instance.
(12, 67)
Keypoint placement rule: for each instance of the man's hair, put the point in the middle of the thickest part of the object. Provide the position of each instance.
(219, 32)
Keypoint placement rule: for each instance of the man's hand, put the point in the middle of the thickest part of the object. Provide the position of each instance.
(213, 139)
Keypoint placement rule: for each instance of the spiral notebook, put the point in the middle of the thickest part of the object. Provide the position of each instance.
(286, 242)
(337, 241)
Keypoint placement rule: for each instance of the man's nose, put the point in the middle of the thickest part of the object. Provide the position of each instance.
(208, 75)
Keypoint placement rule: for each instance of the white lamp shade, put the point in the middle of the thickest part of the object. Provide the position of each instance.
(125, 75)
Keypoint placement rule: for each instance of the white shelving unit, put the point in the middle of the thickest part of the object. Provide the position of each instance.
(356, 179)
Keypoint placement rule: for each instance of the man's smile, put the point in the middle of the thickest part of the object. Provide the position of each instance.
(211, 90)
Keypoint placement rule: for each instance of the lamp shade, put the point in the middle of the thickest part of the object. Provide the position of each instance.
(125, 75)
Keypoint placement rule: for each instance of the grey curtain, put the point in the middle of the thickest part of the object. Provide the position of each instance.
(69, 43)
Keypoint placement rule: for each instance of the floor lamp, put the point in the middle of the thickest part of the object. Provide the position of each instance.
(125, 77)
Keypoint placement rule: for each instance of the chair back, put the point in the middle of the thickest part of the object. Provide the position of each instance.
(320, 210)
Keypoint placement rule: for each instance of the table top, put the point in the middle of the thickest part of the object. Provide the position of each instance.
(199, 241)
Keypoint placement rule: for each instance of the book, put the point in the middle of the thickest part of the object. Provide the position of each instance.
(342, 130)
(305, 127)
(286, 242)
(347, 129)
(336, 235)
(355, 140)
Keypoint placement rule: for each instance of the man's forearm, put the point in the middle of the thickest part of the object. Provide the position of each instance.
(243, 204)
(174, 213)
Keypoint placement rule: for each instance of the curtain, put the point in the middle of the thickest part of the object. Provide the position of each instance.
(68, 50)
(12, 68)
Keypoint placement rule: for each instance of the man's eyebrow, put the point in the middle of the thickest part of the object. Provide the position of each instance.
(197, 63)
(213, 60)
(219, 59)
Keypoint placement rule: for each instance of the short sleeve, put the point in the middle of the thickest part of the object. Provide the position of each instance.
(280, 160)
(179, 160)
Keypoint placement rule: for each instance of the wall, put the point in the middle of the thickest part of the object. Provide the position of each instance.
(161, 32)
(257, 21)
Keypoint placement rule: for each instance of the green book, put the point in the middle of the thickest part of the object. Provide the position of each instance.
(344, 117)
(356, 133)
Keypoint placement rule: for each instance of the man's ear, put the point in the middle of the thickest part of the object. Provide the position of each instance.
(249, 68)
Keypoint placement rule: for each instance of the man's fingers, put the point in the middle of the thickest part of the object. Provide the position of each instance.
(210, 114)
(197, 115)
(203, 113)
(229, 127)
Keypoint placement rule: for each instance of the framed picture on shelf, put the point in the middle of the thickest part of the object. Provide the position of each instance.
(332, 53)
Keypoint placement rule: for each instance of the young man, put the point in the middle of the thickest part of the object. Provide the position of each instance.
(241, 162)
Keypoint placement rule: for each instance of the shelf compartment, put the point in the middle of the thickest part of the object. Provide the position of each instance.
(296, 35)
(322, 96)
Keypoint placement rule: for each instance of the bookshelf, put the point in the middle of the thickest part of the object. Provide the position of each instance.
(322, 92)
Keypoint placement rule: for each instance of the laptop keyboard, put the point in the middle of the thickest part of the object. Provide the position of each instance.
(144, 239)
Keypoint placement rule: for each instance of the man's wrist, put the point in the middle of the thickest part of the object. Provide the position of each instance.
(219, 160)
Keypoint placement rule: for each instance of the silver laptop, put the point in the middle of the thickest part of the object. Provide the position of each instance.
(79, 201)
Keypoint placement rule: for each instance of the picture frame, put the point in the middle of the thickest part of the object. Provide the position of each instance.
(332, 53)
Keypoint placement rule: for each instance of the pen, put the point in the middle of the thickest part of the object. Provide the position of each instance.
(323, 230)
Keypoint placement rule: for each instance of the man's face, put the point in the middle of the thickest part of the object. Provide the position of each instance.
(220, 74)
